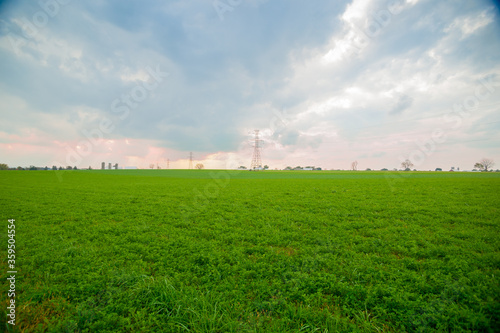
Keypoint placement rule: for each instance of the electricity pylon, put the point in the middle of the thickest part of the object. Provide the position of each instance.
(256, 160)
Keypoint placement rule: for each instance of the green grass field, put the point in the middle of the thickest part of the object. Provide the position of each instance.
(219, 251)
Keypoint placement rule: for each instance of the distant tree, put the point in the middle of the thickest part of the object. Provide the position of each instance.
(266, 167)
(199, 166)
(354, 166)
(368, 169)
(69, 167)
(484, 164)
(439, 169)
(20, 168)
(61, 168)
(46, 168)
(384, 169)
(288, 168)
(406, 164)
(318, 169)
(74, 168)
(32, 167)
(54, 167)
(242, 167)
(4, 166)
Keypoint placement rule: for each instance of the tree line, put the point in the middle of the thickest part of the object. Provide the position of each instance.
(4, 166)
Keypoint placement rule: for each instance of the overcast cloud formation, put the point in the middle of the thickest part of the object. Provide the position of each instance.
(326, 82)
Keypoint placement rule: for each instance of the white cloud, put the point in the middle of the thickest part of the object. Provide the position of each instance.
(129, 75)
(470, 24)
(356, 10)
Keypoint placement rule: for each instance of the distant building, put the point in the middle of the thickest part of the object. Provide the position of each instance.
(116, 166)
(109, 166)
(103, 166)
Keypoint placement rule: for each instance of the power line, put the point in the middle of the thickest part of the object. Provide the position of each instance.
(399, 134)
(405, 147)
(403, 121)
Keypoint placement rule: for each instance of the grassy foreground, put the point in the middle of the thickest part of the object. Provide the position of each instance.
(219, 251)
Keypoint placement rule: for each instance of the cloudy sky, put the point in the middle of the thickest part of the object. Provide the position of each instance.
(326, 82)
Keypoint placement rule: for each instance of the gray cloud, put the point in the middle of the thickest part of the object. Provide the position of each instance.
(225, 75)
(403, 103)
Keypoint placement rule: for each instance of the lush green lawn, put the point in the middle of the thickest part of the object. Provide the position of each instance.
(218, 251)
